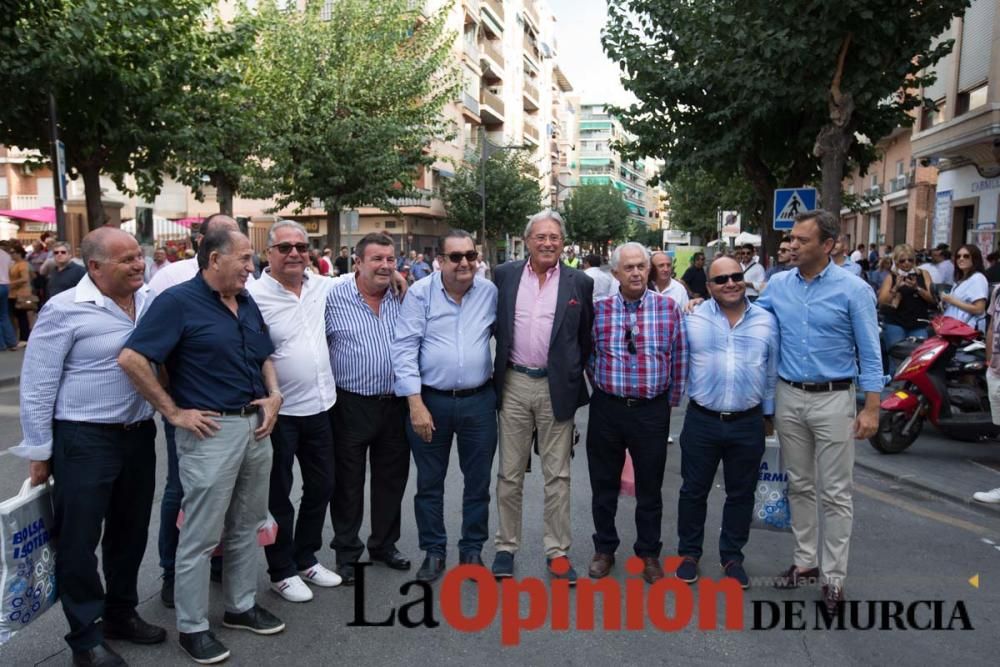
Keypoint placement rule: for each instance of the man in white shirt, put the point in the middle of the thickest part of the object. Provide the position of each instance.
(858, 254)
(754, 274)
(664, 281)
(605, 284)
(184, 270)
(944, 268)
(293, 304)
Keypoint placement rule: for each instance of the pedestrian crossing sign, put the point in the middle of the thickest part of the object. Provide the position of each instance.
(789, 202)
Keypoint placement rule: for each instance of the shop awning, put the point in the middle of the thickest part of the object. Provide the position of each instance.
(46, 214)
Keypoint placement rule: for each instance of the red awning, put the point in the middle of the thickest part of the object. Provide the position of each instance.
(187, 222)
(47, 214)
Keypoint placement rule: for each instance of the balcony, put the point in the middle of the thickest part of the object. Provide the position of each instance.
(470, 104)
(21, 202)
(490, 107)
(421, 199)
(531, 133)
(471, 49)
(531, 14)
(494, 7)
(471, 8)
(530, 97)
(491, 59)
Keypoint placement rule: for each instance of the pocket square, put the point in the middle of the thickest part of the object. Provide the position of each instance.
(573, 302)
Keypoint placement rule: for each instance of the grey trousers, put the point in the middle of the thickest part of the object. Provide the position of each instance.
(225, 480)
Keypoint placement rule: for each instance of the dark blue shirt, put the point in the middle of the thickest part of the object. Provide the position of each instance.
(213, 357)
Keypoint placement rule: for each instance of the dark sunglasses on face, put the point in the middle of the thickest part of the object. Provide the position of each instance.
(963, 255)
(59, 252)
(456, 257)
(285, 248)
(722, 280)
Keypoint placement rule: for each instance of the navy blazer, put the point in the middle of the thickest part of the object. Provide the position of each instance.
(570, 344)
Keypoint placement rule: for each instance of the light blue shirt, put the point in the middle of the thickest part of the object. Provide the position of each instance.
(826, 325)
(852, 266)
(70, 370)
(441, 343)
(731, 369)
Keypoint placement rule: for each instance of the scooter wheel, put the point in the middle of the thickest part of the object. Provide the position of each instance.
(889, 438)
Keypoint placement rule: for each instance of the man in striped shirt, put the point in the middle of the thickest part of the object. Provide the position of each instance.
(368, 418)
(638, 369)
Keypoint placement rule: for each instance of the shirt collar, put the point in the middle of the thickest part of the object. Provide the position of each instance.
(639, 303)
(819, 275)
(361, 297)
(548, 274)
(266, 276)
(87, 291)
(200, 279)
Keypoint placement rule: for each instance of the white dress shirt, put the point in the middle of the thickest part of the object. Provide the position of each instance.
(755, 278)
(179, 272)
(676, 291)
(298, 330)
(605, 284)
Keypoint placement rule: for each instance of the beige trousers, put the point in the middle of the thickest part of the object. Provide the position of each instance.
(526, 406)
(817, 448)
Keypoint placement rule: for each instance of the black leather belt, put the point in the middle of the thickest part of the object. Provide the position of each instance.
(374, 397)
(457, 393)
(528, 370)
(832, 385)
(245, 411)
(726, 416)
(633, 402)
(117, 427)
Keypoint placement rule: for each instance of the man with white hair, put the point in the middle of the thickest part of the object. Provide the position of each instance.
(638, 371)
(544, 312)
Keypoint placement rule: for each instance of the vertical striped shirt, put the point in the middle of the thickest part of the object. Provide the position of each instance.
(70, 370)
(659, 364)
(360, 342)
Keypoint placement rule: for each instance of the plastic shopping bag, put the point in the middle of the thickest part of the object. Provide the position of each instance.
(27, 558)
(770, 506)
(628, 477)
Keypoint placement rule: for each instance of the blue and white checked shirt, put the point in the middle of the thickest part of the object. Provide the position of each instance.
(826, 324)
(361, 343)
(70, 370)
(443, 344)
(731, 369)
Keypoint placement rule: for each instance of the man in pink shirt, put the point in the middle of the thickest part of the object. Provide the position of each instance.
(544, 313)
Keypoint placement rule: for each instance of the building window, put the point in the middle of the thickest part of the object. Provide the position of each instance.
(899, 167)
(970, 99)
(932, 117)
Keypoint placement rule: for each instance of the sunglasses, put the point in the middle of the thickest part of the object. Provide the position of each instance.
(904, 259)
(631, 342)
(59, 252)
(456, 257)
(722, 280)
(285, 248)
(963, 255)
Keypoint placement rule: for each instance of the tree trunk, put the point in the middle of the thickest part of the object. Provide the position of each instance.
(763, 182)
(333, 230)
(92, 189)
(224, 195)
(831, 147)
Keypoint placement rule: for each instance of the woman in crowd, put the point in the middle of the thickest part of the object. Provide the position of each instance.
(967, 300)
(905, 298)
(20, 288)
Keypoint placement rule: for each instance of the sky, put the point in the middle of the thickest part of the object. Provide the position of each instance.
(581, 57)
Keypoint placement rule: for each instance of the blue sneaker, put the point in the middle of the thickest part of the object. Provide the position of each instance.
(560, 568)
(734, 569)
(503, 565)
(687, 571)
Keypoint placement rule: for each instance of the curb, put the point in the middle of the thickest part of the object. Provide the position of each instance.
(10, 381)
(932, 489)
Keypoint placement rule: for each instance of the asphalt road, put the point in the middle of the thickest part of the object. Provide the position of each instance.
(908, 545)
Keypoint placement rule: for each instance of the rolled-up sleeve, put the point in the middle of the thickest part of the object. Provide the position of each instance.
(864, 322)
(410, 328)
(41, 374)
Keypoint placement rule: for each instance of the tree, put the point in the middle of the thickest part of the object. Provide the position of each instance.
(598, 214)
(778, 94)
(118, 70)
(353, 99)
(696, 196)
(512, 196)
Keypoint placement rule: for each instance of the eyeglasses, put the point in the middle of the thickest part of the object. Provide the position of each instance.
(630, 339)
(456, 257)
(59, 252)
(722, 280)
(963, 255)
(904, 259)
(285, 248)
(551, 238)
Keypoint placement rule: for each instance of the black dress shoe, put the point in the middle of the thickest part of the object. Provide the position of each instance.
(392, 558)
(203, 647)
(100, 656)
(133, 629)
(431, 569)
(167, 593)
(346, 572)
(256, 619)
(470, 558)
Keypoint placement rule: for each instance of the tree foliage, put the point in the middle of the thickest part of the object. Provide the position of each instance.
(696, 196)
(597, 214)
(771, 91)
(353, 101)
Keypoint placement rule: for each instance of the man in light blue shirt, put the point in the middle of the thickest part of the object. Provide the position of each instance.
(443, 367)
(732, 372)
(828, 321)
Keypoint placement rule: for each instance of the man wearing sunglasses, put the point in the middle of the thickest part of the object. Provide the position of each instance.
(784, 252)
(65, 273)
(732, 372)
(444, 368)
(638, 370)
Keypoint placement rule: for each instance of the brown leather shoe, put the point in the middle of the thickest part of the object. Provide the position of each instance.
(832, 597)
(793, 577)
(600, 565)
(652, 571)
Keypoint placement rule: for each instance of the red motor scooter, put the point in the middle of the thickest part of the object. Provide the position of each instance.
(944, 381)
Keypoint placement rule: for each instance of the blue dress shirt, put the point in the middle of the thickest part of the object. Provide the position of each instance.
(826, 325)
(443, 344)
(731, 369)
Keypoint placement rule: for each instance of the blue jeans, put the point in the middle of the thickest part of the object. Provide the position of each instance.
(893, 333)
(6, 327)
(473, 419)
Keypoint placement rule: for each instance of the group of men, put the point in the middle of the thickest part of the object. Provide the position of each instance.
(250, 375)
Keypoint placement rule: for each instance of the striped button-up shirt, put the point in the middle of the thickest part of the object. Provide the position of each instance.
(70, 370)
(653, 323)
(732, 368)
(360, 342)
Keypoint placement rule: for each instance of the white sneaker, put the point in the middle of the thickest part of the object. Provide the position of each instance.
(992, 497)
(670, 439)
(318, 575)
(292, 589)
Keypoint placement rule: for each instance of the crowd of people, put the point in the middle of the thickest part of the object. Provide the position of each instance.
(391, 362)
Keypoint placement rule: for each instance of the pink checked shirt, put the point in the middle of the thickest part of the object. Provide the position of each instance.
(534, 312)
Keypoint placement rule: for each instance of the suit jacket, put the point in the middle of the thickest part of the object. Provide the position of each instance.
(569, 345)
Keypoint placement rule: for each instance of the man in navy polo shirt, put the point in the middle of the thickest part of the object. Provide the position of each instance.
(224, 401)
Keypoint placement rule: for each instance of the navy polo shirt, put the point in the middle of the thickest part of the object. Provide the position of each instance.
(213, 357)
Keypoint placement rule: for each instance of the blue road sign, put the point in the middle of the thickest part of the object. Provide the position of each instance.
(789, 202)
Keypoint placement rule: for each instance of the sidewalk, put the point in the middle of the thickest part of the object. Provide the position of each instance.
(10, 368)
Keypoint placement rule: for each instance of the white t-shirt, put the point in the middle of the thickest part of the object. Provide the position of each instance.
(675, 290)
(604, 283)
(755, 277)
(856, 256)
(179, 272)
(970, 290)
(944, 272)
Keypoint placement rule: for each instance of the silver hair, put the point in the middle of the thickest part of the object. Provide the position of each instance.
(92, 247)
(547, 214)
(283, 224)
(661, 252)
(616, 255)
(61, 244)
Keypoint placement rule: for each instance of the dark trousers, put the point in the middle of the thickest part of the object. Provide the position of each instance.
(23, 327)
(474, 420)
(739, 444)
(368, 427)
(310, 440)
(104, 479)
(642, 429)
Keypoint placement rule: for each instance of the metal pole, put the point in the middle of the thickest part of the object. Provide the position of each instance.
(482, 190)
(57, 176)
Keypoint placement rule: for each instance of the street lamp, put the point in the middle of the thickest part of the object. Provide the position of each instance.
(488, 150)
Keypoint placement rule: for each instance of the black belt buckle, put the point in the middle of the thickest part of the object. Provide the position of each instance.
(726, 416)
(133, 426)
(629, 402)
